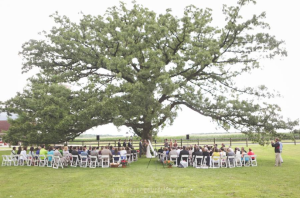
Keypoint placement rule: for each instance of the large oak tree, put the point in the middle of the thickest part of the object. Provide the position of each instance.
(135, 68)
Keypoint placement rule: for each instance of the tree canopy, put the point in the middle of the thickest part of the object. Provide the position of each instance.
(135, 68)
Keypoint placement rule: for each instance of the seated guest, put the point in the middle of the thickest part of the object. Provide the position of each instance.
(160, 150)
(89, 150)
(128, 150)
(60, 150)
(183, 152)
(123, 153)
(75, 152)
(57, 153)
(106, 151)
(116, 152)
(251, 153)
(243, 153)
(133, 150)
(19, 150)
(102, 147)
(70, 149)
(206, 155)
(216, 154)
(43, 151)
(79, 150)
(94, 152)
(84, 152)
(173, 152)
(23, 154)
(230, 153)
(66, 151)
(196, 153)
(50, 152)
(13, 151)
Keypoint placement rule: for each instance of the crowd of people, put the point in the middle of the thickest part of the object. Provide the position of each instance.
(65, 152)
(211, 153)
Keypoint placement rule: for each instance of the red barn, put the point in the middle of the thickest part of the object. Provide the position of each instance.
(4, 126)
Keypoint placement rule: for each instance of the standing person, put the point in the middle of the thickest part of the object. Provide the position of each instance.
(140, 148)
(119, 143)
(124, 143)
(280, 148)
(171, 144)
(277, 152)
(175, 144)
(129, 144)
(166, 143)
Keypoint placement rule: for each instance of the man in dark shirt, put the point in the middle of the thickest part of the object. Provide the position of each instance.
(183, 152)
(124, 143)
(206, 155)
(197, 152)
(119, 143)
(129, 144)
(277, 152)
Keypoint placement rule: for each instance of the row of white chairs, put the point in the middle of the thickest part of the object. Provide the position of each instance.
(56, 161)
(214, 161)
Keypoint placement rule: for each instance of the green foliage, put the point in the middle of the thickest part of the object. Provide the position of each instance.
(135, 68)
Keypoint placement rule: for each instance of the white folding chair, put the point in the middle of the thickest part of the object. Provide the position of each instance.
(116, 161)
(185, 158)
(238, 161)
(223, 161)
(174, 159)
(204, 162)
(159, 156)
(246, 161)
(99, 160)
(253, 160)
(15, 159)
(67, 158)
(49, 161)
(83, 161)
(135, 156)
(198, 161)
(29, 160)
(21, 160)
(10, 160)
(42, 160)
(57, 162)
(128, 158)
(36, 160)
(215, 161)
(74, 161)
(4, 160)
(105, 161)
(230, 161)
(93, 161)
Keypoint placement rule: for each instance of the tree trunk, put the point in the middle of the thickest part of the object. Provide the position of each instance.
(147, 134)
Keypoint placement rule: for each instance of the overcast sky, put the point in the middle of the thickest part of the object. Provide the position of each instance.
(22, 20)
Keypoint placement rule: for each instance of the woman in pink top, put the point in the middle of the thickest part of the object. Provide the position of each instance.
(251, 152)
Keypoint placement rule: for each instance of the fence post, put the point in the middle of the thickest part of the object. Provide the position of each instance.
(181, 142)
(214, 141)
(198, 141)
(246, 142)
(82, 143)
(230, 141)
(115, 143)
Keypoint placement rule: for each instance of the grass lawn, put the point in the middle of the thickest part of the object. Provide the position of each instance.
(156, 181)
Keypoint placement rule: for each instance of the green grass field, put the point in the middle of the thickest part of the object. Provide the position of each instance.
(156, 181)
